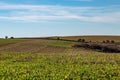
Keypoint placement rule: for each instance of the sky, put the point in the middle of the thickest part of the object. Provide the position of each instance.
(39, 18)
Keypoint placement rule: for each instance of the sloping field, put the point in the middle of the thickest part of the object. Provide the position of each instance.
(36, 45)
(6, 42)
(46, 45)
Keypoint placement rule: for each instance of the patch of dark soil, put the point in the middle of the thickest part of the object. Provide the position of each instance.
(112, 48)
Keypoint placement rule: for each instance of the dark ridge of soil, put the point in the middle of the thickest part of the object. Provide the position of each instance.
(103, 47)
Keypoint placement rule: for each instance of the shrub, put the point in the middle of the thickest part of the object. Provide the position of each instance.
(11, 37)
(79, 40)
(58, 38)
(104, 42)
(112, 41)
(83, 40)
(90, 41)
(107, 41)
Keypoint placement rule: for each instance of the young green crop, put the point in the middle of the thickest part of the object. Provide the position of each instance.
(36, 66)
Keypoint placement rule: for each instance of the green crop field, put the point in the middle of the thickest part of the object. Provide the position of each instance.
(42, 59)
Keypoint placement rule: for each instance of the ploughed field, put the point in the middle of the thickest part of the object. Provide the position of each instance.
(93, 38)
(43, 59)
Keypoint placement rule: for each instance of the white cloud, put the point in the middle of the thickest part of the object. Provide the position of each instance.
(36, 13)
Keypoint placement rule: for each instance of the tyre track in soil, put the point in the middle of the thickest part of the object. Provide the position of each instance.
(33, 45)
(22, 46)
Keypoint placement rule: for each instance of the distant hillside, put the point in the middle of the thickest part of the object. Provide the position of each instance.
(93, 38)
(87, 38)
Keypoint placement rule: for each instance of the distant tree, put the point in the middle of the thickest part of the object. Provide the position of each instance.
(79, 40)
(90, 41)
(83, 40)
(6, 37)
(107, 41)
(11, 37)
(112, 41)
(58, 38)
(104, 42)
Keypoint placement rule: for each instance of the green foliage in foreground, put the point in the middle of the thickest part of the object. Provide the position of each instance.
(34, 66)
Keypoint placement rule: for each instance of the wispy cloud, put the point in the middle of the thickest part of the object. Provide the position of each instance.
(36, 13)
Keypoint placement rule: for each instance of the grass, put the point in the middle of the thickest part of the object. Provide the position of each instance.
(34, 66)
(5, 42)
(58, 43)
(38, 59)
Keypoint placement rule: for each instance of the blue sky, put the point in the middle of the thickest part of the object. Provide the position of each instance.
(36, 18)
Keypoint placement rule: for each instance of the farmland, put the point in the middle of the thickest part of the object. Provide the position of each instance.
(93, 38)
(43, 59)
